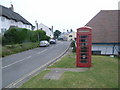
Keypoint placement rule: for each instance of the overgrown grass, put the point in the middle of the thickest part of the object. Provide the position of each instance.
(0, 50)
(102, 74)
(12, 49)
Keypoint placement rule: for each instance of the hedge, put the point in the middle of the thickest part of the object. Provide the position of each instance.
(22, 35)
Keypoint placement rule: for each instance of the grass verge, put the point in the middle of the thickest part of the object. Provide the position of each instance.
(102, 74)
(12, 49)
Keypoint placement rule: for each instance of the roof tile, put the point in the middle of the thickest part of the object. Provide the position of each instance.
(8, 13)
(105, 26)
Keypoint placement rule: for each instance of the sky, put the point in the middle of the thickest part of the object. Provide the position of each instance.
(63, 15)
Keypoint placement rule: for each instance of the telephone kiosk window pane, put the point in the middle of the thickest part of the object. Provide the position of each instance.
(83, 36)
(83, 61)
(83, 40)
(83, 57)
(83, 54)
(84, 50)
(84, 47)
(83, 44)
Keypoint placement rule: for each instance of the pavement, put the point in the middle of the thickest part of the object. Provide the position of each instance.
(56, 73)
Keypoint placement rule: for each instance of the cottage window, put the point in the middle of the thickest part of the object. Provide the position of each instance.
(3, 30)
(25, 26)
(2, 19)
(29, 26)
(70, 35)
(12, 22)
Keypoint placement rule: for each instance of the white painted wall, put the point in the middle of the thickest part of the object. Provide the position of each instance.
(73, 34)
(66, 36)
(46, 29)
(105, 49)
(6, 23)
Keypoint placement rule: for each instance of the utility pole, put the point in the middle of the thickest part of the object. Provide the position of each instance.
(37, 30)
(36, 24)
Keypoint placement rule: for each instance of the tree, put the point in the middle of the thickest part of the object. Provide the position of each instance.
(57, 33)
(42, 34)
(47, 38)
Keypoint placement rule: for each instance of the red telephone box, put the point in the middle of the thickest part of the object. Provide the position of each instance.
(84, 44)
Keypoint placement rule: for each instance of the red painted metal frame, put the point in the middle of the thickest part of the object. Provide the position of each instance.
(83, 32)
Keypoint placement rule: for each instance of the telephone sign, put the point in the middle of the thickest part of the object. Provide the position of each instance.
(83, 49)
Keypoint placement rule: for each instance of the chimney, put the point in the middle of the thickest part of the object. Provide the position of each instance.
(12, 8)
(52, 28)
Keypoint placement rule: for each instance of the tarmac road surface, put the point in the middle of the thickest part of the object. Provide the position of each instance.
(18, 65)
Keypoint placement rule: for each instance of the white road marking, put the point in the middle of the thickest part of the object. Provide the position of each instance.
(22, 59)
(41, 51)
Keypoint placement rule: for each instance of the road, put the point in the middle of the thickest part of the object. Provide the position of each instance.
(16, 66)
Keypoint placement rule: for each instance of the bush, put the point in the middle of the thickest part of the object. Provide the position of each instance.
(73, 46)
(22, 35)
(42, 34)
(48, 38)
(16, 40)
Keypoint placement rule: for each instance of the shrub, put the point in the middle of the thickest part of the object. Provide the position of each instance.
(22, 35)
(47, 38)
(73, 46)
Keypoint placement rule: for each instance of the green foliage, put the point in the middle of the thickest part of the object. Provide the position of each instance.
(33, 37)
(73, 46)
(21, 35)
(20, 39)
(0, 39)
(14, 36)
(47, 38)
(42, 34)
(57, 33)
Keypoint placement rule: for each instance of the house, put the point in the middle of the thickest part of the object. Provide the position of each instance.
(63, 36)
(49, 31)
(105, 32)
(71, 36)
(9, 19)
(68, 36)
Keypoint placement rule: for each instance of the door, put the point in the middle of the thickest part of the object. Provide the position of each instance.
(84, 50)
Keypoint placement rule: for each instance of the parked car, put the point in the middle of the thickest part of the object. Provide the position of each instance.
(44, 43)
(52, 41)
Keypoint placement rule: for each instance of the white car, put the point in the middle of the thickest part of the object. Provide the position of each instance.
(44, 43)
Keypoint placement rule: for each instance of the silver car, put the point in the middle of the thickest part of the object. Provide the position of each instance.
(52, 41)
(44, 43)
